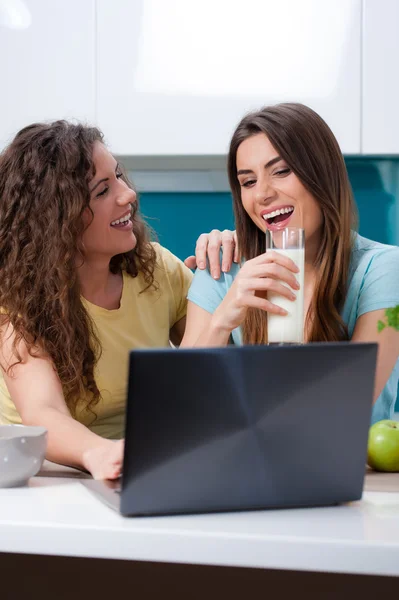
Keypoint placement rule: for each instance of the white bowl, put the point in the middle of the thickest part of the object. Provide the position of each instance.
(22, 452)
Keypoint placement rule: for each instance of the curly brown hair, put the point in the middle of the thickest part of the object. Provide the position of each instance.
(44, 190)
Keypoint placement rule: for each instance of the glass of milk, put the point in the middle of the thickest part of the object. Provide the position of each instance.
(287, 329)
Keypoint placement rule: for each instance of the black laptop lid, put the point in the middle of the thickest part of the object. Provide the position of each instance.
(246, 427)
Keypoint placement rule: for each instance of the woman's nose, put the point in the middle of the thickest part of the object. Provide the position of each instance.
(128, 196)
(265, 192)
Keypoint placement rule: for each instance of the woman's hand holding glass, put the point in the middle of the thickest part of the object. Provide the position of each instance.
(268, 272)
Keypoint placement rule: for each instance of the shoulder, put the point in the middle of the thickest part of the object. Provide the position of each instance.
(169, 273)
(368, 255)
(365, 248)
(174, 280)
(207, 292)
(374, 276)
(167, 262)
(203, 277)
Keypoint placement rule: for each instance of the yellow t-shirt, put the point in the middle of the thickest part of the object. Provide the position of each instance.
(142, 321)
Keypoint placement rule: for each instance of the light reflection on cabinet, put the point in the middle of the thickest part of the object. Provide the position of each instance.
(175, 77)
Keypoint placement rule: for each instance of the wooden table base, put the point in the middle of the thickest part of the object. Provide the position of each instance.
(48, 577)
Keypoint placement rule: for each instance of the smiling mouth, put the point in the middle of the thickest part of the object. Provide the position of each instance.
(278, 216)
(122, 221)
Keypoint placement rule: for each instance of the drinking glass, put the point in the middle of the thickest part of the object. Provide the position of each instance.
(287, 329)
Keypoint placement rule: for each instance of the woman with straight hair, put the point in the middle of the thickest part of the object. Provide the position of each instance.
(80, 285)
(286, 170)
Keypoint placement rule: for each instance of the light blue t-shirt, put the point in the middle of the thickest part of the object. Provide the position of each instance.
(373, 284)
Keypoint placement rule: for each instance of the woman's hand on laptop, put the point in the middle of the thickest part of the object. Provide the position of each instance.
(208, 247)
(105, 461)
(268, 272)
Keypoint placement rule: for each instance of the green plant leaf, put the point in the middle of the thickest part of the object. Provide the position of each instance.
(380, 326)
(392, 315)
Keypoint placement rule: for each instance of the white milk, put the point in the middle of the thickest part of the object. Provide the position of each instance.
(288, 329)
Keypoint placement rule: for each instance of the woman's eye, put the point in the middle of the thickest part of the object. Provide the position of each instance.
(284, 171)
(118, 175)
(105, 190)
(248, 183)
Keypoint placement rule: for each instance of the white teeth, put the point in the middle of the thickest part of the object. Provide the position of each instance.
(122, 220)
(281, 211)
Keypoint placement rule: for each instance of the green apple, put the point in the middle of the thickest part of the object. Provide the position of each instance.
(383, 446)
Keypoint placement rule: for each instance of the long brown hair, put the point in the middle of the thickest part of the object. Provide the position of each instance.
(44, 190)
(306, 143)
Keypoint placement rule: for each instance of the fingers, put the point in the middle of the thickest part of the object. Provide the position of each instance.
(214, 245)
(264, 304)
(110, 472)
(105, 462)
(236, 248)
(190, 262)
(228, 244)
(264, 284)
(271, 285)
(117, 455)
(201, 250)
(208, 247)
(272, 271)
(114, 468)
(271, 256)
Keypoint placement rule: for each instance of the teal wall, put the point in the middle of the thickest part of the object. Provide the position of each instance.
(179, 218)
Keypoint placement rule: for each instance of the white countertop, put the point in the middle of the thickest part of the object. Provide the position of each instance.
(59, 516)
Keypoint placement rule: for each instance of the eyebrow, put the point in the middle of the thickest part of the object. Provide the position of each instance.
(267, 166)
(103, 180)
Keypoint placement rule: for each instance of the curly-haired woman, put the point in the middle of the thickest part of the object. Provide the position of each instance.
(80, 285)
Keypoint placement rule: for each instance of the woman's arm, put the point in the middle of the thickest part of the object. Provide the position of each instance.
(177, 331)
(36, 391)
(202, 330)
(366, 330)
(379, 290)
(213, 313)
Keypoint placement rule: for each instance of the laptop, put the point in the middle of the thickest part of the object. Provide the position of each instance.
(244, 428)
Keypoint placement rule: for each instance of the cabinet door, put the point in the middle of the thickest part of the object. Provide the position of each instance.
(47, 62)
(175, 77)
(380, 77)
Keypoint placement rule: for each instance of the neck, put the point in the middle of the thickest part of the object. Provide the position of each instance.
(95, 279)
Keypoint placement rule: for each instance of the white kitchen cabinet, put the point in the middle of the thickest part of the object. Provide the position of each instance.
(175, 77)
(47, 62)
(380, 77)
